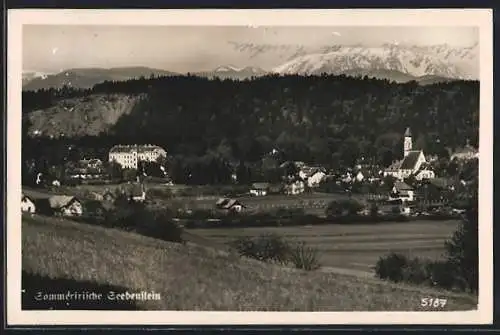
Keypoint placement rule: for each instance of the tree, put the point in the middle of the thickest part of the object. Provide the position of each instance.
(129, 174)
(114, 170)
(463, 251)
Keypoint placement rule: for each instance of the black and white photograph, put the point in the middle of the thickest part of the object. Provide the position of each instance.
(198, 161)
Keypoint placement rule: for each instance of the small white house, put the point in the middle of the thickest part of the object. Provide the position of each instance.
(359, 176)
(229, 205)
(66, 205)
(27, 204)
(316, 179)
(259, 189)
(402, 191)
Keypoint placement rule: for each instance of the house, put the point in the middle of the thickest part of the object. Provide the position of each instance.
(95, 196)
(229, 205)
(402, 191)
(464, 154)
(65, 205)
(108, 196)
(411, 162)
(259, 189)
(394, 207)
(316, 178)
(295, 187)
(359, 176)
(425, 172)
(27, 204)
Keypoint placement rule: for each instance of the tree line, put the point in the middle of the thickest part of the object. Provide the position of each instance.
(209, 126)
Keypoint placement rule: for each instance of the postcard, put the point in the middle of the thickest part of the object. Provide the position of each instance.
(245, 167)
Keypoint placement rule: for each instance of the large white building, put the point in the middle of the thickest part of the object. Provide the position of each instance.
(128, 156)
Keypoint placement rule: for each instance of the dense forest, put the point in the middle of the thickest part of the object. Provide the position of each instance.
(329, 120)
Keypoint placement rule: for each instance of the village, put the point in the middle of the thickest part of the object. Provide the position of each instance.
(410, 187)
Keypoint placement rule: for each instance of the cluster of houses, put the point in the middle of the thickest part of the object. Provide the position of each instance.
(86, 169)
(93, 203)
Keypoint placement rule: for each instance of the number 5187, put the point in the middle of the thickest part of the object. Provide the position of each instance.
(433, 302)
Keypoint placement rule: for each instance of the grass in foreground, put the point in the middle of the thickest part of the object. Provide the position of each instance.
(191, 277)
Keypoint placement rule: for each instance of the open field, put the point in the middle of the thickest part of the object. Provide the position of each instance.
(355, 246)
(192, 277)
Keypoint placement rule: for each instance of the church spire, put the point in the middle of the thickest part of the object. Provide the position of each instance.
(407, 144)
(408, 132)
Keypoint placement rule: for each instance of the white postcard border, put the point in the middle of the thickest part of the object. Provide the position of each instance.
(481, 18)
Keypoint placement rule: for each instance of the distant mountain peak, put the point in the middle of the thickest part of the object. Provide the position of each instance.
(227, 68)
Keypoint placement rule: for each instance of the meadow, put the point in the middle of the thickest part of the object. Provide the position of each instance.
(354, 246)
(65, 254)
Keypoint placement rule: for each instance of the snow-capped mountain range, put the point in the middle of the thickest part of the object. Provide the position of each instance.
(415, 61)
(396, 62)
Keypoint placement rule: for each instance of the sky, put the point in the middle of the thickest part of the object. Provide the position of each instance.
(53, 48)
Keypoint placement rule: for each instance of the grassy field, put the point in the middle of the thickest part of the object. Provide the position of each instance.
(355, 246)
(68, 255)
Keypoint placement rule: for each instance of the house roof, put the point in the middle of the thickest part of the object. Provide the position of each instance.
(440, 182)
(402, 186)
(260, 186)
(227, 203)
(24, 196)
(221, 201)
(32, 194)
(135, 147)
(108, 193)
(59, 201)
(410, 160)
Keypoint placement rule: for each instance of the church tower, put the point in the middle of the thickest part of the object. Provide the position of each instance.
(407, 144)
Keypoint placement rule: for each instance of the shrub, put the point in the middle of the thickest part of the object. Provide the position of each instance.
(136, 217)
(391, 267)
(441, 274)
(271, 248)
(304, 257)
(160, 225)
(343, 207)
(275, 249)
(416, 271)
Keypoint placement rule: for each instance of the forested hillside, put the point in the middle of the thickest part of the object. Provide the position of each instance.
(322, 119)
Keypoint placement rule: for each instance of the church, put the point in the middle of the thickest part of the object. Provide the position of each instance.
(413, 162)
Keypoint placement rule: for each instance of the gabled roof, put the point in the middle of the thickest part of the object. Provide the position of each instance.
(135, 147)
(226, 203)
(410, 160)
(24, 196)
(441, 182)
(260, 186)
(221, 201)
(59, 201)
(402, 186)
